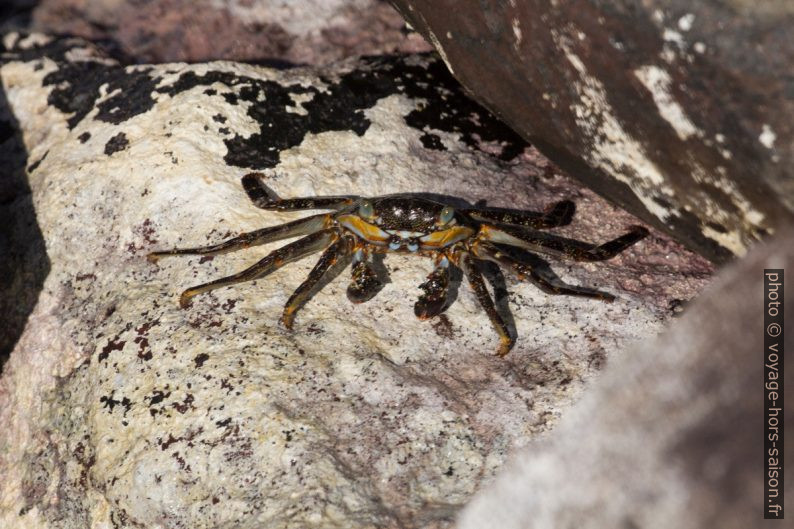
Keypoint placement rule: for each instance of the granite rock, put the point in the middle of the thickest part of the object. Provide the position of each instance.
(306, 31)
(118, 408)
(672, 433)
(678, 111)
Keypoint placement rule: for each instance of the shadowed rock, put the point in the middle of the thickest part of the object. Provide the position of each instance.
(671, 435)
(678, 111)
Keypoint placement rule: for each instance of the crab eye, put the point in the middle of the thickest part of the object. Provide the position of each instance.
(366, 210)
(446, 215)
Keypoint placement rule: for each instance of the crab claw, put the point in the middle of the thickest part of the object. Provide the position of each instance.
(434, 300)
(365, 283)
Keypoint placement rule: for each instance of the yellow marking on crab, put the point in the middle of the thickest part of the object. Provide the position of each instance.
(496, 235)
(443, 238)
(363, 229)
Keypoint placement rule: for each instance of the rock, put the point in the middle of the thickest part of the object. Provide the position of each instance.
(119, 408)
(24, 263)
(672, 433)
(680, 113)
(309, 31)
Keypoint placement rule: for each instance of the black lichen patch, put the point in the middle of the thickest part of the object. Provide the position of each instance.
(449, 109)
(84, 137)
(76, 84)
(719, 228)
(200, 359)
(340, 107)
(32, 167)
(117, 143)
(144, 352)
(432, 141)
(109, 403)
(185, 405)
(157, 397)
(77, 87)
(337, 106)
(113, 344)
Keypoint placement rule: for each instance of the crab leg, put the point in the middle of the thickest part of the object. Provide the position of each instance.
(554, 244)
(530, 266)
(478, 285)
(434, 300)
(332, 254)
(265, 198)
(254, 238)
(273, 261)
(364, 283)
(559, 214)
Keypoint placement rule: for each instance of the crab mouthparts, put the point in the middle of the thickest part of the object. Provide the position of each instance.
(399, 239)
(396, 242)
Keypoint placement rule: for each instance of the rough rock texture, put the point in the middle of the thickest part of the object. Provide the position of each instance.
(671, 435)
(679, 111)
(117, 408)
(305, 31)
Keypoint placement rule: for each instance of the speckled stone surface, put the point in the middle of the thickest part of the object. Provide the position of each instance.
(296, 31)
(672, 433)
(119, 409)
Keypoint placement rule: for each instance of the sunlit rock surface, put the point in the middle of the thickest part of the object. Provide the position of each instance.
(118, 408)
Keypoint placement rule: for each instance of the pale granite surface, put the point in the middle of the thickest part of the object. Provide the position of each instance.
(119, 409)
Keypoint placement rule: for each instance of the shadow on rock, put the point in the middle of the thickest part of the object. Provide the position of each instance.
(24, 264)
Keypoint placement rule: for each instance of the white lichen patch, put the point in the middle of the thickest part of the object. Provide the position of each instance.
(658, 83)
(623, 157)
(516, 25)
(767, 137)
(685, 22)
(299, 99)
(731, 239)
(613, 149)
(732, 236)
(674, 37)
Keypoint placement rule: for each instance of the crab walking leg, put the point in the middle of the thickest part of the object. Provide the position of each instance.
(332, 254)
(254, 238)
(364, 283)
(273, 261)
(560, 214)
(434, 300)
(265, 198)
(554, 244)
(529, 266)
(478, 285)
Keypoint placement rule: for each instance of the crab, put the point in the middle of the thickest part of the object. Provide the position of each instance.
(454, 238)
